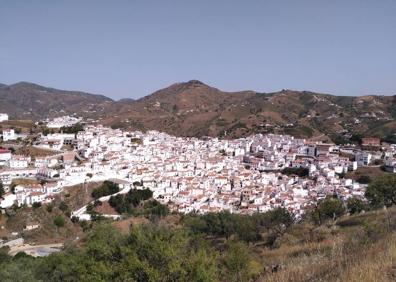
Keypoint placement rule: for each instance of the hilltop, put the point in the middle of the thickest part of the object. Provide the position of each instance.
(195, 109)
(24, 100)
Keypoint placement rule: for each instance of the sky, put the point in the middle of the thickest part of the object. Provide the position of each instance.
(128, 49)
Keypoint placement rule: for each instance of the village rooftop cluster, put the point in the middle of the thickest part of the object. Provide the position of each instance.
(245, 175)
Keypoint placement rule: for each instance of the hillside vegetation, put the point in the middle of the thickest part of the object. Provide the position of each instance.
(335, 241)
(195, 109)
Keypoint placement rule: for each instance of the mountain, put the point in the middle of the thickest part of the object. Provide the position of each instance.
(195, 109)
(25, 100)
(182, 109)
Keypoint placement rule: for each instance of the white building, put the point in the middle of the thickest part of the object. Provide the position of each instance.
(390, 165)
(19, 162)
(5, 156)
(65, 121)
(7, 201)
(9, 134)
(3, 117)
(363, 158)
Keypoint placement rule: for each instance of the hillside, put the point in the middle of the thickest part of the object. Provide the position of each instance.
(360, 247)
(25, 100)
(195, 109)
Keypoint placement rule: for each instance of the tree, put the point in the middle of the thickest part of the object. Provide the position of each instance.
(382, 191)
(72, 129)
(36, 205)
(364, 179)
(236, 262)
(63, 206)
(50, 207)
(329, 208)
(299, 171)
(107, 188)
(2, 191)
(59, 221)
(355, 205)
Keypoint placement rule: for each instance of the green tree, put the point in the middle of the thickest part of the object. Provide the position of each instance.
(329, 208)
(50, 207)
(382, 191)
(236, 262)
(2, 191)
(364, 179)
(59, 221)
(36, 205)
(355, 205)
(63, 206)
(107, 188)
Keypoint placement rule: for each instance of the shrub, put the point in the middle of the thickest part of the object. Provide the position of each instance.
(382, 191)
(59, 221)
(299, 171)
(36, 205)
(107, 188)
(126, 203)
(355, 205)
(364, 179)
(50, 207)
(63, 206)
(329, 208)
(75, 219)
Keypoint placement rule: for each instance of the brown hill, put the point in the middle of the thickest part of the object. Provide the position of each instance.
(25, 100)
(195, 109)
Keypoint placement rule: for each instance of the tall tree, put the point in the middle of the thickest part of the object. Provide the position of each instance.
(382, 191)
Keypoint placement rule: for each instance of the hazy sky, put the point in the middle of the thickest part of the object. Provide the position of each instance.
(131, 48)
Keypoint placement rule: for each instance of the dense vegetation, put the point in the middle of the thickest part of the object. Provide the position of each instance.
(126, 203)
(147, 253)
(107, 188)
(245, 227)
(327, 244)
(2, 191)
(74, 129)
(299, 171)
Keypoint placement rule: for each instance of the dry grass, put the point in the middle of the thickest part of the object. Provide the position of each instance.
(125, 224)
(377, 264)
(363, 248)
(372, 172)
(25, 181)
(79, 195)
(35, 152)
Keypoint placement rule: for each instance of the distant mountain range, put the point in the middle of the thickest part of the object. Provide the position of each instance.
(195, 109)
(25, 100)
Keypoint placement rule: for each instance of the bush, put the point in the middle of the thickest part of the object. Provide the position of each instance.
(299, 171)
(75, 219)
(329, 208)
(355, 205)
(126, 203)
(107, 188)
(247, 228)
(74, 129)
(155, 209)
(36, 205)
(59, 221)
(364, 179)
(63, 206)
(50, 207)
(382, 191)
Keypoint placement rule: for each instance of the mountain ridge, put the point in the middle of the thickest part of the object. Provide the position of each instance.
(194, 108)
